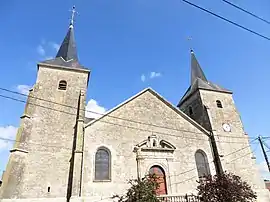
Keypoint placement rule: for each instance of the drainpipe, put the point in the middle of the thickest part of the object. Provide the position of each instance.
(217, 161)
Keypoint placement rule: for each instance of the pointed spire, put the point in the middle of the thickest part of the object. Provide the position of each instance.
(68, 50)
(199, 81)
(67, 53)
(196, 70)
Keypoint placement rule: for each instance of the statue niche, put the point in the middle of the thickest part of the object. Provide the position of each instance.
(152, 143)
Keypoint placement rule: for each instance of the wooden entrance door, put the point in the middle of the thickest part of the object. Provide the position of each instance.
(161, 179)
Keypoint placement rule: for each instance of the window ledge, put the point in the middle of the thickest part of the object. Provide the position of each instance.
(102, 180)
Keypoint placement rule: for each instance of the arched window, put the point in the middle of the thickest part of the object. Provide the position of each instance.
(161, 179)
(202, 163)
(190, 110)
(103, 164)
(219, 104)
(62, 85)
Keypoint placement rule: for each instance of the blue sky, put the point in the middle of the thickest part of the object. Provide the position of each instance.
(120, 41)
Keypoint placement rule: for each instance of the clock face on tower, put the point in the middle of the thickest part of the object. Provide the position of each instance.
(226, 127)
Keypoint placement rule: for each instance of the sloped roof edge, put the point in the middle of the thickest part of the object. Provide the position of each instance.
(186, 117)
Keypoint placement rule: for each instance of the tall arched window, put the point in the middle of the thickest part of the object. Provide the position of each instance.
(62, 85)
(202, 163)
(103, 164)
(219, 104)
(161, 179)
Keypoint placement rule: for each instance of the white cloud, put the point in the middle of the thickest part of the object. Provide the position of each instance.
(55, 46)
(41, 51)
(152, 75)
(143, 78)
(24, 89)
(264, 170)
(8, 133)
(49, 57)
(94, 110)
(46, 49)
(155, 74)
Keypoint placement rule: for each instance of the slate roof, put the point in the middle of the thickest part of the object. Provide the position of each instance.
(199, 81)
(67, 54)
(196, 70)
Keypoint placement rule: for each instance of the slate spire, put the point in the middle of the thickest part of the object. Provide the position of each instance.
(196, 70)
(199, 81)
(67, 54)
(68, 50)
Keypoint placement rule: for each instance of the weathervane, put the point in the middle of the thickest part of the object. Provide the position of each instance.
(190, 45)
(73, 12)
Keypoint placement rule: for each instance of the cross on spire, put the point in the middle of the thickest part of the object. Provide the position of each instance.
(67, 50)
(67, 54)
(189, 39)
(73, 12)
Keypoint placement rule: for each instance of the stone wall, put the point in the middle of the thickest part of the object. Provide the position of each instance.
(150, 115)
(41, 158)
(233, 145)
(36, 200)
(198, 111)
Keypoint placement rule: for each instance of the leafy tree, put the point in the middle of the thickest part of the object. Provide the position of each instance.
(141, 190)
(225, 188)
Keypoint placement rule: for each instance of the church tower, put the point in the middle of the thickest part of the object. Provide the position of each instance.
(213, 107)
(203, 93)
(51, 130)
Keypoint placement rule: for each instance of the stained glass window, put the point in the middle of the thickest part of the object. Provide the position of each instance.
(102, 164)
(202, 163)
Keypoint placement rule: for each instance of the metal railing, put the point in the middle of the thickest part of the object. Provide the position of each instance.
(186, 198)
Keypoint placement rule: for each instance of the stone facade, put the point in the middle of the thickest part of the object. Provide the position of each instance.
(151, 117)
(128, 132)
(39, 163)
(194, 108)
(54, 157)
(230, 143)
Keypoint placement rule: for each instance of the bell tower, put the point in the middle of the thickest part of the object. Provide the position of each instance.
(213, 107)
(42, 160)
(194, 102)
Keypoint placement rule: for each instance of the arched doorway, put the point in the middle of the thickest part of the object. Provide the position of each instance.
(161, 179)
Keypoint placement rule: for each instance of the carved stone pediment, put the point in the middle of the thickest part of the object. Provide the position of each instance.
(153, 144)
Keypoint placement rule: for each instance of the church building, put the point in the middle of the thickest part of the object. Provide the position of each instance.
(60, 155)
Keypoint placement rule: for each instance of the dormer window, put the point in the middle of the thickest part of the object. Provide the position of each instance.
(62, 85)
(219, 104)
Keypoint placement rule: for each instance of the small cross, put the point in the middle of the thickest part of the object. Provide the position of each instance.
(73, 12)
